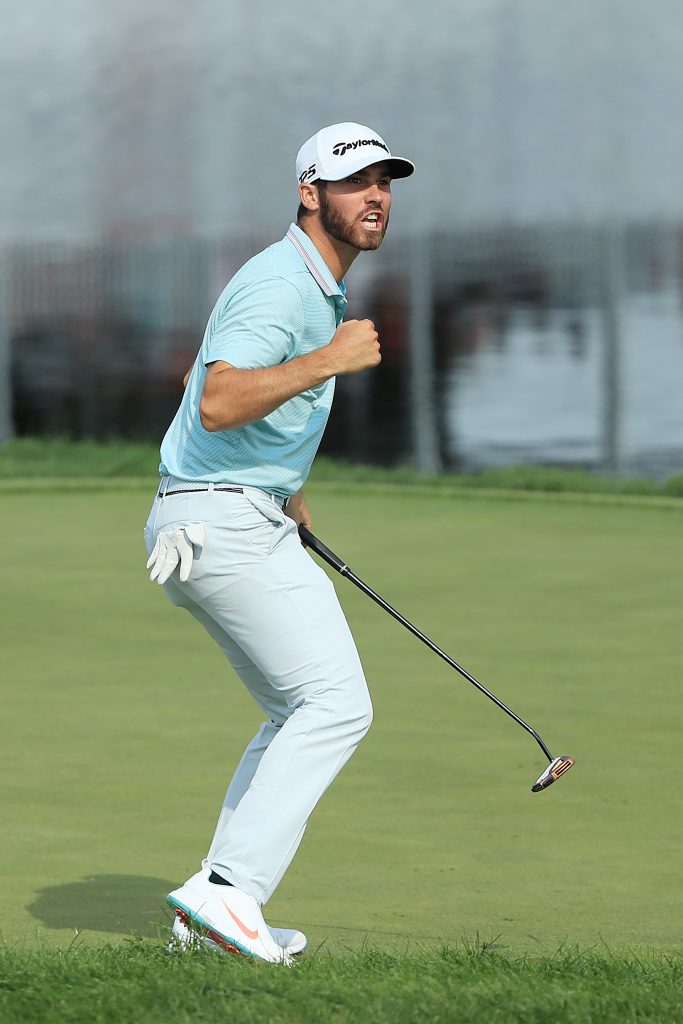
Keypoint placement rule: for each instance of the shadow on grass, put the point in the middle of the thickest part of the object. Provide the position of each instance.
(120, 904)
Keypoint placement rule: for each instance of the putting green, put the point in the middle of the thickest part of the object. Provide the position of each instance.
(122, 724)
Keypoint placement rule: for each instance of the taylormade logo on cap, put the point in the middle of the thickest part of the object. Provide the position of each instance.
(339, 150)
(342, 147)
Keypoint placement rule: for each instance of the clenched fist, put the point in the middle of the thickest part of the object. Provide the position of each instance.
(354, 347)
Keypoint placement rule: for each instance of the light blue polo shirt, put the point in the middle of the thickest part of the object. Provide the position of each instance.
(283, 303)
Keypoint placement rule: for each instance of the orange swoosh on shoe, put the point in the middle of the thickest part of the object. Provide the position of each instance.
(247, 931)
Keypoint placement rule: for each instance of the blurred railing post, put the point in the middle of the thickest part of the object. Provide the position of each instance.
(6, 428)
(612, 253)
(424, 430)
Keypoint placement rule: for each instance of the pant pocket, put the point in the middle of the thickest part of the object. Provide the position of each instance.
(267, 525)
(267, 507)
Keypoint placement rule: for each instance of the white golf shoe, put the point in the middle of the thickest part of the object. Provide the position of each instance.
(226, 918)
(182, 937)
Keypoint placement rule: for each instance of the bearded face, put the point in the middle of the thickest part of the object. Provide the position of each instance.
(356, 217)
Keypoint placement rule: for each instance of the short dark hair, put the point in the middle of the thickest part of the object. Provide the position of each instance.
(302, 211)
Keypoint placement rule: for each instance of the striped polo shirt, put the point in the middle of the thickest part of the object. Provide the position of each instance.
(284, 302)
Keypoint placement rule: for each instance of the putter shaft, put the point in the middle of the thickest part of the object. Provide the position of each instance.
(341, 567)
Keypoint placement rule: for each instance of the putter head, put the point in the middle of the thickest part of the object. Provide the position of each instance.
(557, 767)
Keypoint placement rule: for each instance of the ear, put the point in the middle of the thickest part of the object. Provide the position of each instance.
(308, 194)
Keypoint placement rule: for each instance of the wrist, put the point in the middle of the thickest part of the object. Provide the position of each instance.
(322, 364)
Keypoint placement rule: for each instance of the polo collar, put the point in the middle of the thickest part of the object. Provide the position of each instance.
(316, 264)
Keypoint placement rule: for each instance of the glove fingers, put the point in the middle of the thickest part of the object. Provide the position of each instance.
(175, 546)
(168, 565)
(153, 557)
(159, 562)
(165, 562)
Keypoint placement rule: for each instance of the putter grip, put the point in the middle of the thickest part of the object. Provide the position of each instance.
(321, 549)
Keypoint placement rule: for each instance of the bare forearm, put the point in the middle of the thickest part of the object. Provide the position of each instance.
(233, 397)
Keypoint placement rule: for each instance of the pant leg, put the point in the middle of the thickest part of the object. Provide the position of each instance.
(255, 582)
(291, 626)
(241, 780)
(239, 785)
(270, 701)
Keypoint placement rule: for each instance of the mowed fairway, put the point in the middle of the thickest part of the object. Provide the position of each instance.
(122, 723)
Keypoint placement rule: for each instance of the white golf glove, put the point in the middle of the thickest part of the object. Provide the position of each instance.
(175, 544)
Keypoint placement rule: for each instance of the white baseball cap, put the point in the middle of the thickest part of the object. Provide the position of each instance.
(340, 149)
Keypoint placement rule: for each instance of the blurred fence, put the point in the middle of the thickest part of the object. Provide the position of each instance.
(559, 345)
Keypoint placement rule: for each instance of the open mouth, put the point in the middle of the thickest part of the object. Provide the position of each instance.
(373, 221)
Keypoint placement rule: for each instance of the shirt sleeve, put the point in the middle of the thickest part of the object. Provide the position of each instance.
(259, 326)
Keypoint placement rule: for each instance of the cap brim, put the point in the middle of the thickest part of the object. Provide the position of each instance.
(398, 166)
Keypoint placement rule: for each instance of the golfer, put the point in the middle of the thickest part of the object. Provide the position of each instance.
(222, 533)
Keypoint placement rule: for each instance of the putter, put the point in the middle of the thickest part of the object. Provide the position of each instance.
(558, 765)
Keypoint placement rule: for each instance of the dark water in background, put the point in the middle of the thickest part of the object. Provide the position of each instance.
(558, 345)
(515, 327)
(535, 392)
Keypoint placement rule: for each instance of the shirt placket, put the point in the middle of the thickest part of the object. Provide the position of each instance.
(340, 304)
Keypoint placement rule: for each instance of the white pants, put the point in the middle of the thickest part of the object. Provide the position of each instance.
(275, 615)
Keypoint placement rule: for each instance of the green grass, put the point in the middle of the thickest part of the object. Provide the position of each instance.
(139, 982)
(39, 458)
(122, 724)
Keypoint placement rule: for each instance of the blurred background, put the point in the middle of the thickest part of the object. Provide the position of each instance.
(529, 295)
